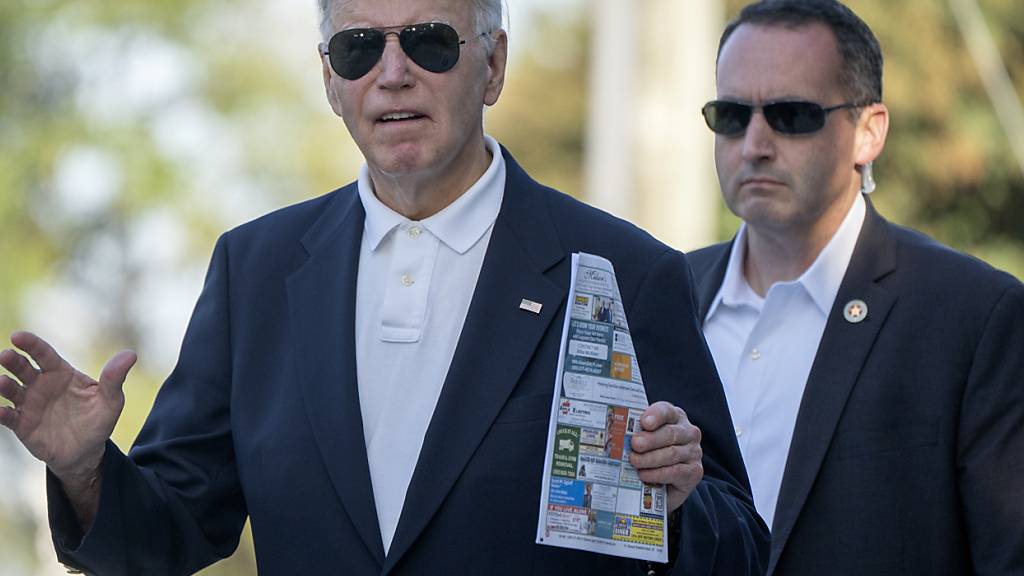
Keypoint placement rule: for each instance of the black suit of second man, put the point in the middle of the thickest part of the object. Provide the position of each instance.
(908, 451)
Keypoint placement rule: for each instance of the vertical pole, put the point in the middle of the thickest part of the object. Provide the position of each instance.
(609, 178)
(649, 155)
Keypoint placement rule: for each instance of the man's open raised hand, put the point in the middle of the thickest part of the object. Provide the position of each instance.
(62, 416)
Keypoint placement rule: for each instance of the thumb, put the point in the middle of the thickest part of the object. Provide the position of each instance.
(116, 370)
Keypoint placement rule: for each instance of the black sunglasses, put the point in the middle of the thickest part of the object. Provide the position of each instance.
(433, 46)
(731, 118)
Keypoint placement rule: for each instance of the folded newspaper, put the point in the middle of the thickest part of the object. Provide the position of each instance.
(592, 498)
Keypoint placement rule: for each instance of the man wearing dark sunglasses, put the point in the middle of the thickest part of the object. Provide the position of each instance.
(368, 375)
(874, 376)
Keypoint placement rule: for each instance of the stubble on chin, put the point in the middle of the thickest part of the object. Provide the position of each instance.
(761, 208)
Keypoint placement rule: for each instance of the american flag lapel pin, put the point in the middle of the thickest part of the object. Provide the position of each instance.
(530, 306)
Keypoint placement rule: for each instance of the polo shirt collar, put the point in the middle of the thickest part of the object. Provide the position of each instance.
(460, 225)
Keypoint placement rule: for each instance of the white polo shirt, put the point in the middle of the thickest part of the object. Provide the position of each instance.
(415, 284)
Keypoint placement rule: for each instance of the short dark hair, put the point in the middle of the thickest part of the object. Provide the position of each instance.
(861, 73)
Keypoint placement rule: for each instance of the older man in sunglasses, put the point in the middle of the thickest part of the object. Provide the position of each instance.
(368, 375)
(875, 377)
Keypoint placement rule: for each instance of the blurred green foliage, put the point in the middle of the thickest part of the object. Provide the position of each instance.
(947, 168)
(541, 114)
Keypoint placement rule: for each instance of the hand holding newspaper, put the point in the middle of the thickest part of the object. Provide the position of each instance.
(591, 497)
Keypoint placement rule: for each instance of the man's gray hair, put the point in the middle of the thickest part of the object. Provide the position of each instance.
(489, 14)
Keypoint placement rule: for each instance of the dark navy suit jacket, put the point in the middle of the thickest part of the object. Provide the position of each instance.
(261, 417)
(908, 450)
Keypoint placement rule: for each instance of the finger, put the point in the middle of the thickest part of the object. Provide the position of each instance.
(668, 456)
(18, 365)
(660, 413)
(113, 375)
(11, 390)
(680, 475)
(40, 350)
(667, 435)
(9, 417)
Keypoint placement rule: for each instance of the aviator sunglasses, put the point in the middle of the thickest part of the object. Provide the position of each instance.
(731, 118)
(433, 46)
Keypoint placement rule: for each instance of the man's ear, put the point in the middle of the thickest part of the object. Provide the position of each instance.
(872, 129)
(496, 68)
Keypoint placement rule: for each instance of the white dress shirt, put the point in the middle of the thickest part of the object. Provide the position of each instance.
(764, 348)
(415, 284)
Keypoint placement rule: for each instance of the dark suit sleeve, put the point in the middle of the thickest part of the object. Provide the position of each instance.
(720, 531)
(990, 457)
(173, 506)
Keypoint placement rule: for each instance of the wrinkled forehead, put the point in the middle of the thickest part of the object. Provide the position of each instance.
(383, 13)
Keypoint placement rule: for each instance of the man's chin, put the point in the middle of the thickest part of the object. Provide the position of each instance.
(765, 213)
(400, 160)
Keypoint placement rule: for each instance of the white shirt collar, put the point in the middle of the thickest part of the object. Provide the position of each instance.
(459, 225)
(821, 280)
(735, 291)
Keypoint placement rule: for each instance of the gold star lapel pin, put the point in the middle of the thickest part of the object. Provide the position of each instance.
(855, 311)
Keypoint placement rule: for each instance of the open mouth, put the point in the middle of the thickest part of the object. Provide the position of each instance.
(398, 117)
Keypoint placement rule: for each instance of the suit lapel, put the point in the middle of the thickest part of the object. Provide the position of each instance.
(497, 341)
(321, 300)
(841, 355)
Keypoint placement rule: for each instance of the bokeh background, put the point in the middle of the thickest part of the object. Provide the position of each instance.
(132, 133)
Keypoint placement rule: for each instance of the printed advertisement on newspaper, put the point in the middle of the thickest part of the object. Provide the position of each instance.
(592, 498)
